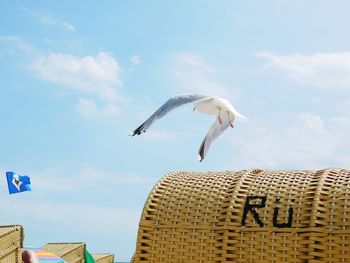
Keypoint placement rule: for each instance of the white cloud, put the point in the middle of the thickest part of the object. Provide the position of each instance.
(196, 75)
(94, 76)
(89, 109)
(68, 26)
(48, 19)
(195, 61)
(312, 121)
(18, 43)
(322, 70)
(344, 106)
(309, 142)
(342, 123)
(135, 60)
(97, 75)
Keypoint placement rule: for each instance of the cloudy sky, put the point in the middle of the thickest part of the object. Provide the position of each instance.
(78, 77)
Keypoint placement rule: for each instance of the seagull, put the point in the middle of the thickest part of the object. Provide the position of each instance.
(222, 108)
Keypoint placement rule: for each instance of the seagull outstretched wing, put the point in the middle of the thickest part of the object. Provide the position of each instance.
(169, 105)
(215, 130)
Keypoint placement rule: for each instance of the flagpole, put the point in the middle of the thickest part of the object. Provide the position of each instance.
(12, 210)
(16, 184)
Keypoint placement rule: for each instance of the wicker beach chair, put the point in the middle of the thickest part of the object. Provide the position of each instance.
(103, 258)
(73, 252)
(11, 243)
(247, 216)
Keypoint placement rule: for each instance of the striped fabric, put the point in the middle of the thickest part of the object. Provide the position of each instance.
(45, 256)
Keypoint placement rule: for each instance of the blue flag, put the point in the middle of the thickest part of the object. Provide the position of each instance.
(17, 183)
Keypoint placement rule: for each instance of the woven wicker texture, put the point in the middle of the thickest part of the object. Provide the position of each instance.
(11, 243)
(247, 216)
(103, 258)
(70, 252)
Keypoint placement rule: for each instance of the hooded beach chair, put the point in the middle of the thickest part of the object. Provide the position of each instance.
(73, 252)
(11, 243)
(247, 216)
(103, 257)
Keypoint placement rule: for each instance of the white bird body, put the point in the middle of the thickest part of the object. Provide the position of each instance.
(216, 106)
(220, 107)
(207, 106)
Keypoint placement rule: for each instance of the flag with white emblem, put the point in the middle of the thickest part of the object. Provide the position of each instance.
(17, 183)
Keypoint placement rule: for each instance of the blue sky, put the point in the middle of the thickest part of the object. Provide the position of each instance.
(78, 77)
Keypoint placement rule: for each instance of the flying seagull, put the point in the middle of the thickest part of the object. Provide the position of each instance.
(220, 107)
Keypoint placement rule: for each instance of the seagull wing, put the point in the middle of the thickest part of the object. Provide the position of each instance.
(169, 105)
(214, 132)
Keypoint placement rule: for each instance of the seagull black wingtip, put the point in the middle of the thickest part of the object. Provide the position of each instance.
(135, 133)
